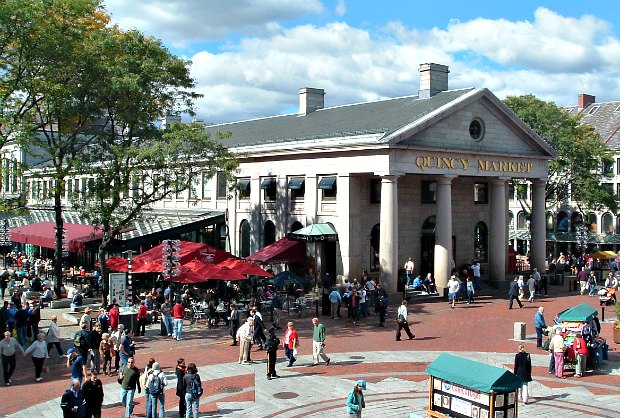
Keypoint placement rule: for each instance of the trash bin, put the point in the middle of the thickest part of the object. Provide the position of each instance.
(129, 320)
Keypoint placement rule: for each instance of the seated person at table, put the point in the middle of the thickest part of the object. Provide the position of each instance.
(212, 317)
(429, 282)
(36, 285)
(77, 300)
(149, 302)
(417, 284)
(47, 296)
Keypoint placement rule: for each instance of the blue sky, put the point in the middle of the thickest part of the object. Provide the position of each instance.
(250, 57)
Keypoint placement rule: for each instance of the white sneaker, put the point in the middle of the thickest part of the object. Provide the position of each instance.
(38, 379)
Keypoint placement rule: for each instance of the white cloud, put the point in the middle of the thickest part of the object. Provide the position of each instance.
(341, 8)
(181, 22)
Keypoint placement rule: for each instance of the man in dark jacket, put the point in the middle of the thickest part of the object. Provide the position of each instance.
(93, 396)
(73, 402)
(271, 346)
(513, 293)
(130, 383)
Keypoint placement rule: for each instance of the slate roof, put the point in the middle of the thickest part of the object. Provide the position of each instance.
(381, 118)
(605, 118)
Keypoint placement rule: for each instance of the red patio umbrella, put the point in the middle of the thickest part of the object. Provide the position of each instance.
(244, 267)
(196, 271)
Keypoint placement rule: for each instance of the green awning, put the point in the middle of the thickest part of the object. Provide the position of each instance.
(296, 183)
(327, 183)
(474, 375)
(268, 183)
(315, 233)
(580, 313)
(243, 185)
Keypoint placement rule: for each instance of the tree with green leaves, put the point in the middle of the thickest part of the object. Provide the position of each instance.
(582, 156)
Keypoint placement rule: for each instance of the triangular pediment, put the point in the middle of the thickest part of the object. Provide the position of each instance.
(449, 129)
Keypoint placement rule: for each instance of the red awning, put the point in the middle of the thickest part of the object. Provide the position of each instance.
(244, 267)
(151, 261)
(281, 251)
(43, 234)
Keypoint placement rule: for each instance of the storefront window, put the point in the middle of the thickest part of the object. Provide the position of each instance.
(244, 239)
(429, 192)
(481, 242)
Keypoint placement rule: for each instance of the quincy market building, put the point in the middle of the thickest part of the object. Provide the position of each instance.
(422, 176)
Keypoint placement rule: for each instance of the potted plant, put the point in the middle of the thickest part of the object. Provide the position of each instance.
(617, 324)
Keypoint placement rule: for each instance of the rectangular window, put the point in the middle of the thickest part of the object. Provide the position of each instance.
(193, 188)
(206, 187)
(269, 187)
(617, 165)
(69, 187)
(76, 186)
(618, 190)
(522, 191)
(244, 189)
(511, 190)
(375, 191)
(608, 167)
(44, 191)
(221, 187)
(327, 185)
(297, 187)
(481, 193)
(429, 192)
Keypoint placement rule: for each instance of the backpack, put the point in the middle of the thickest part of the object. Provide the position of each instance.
(195, 387)
(78, 340)
(155, 384)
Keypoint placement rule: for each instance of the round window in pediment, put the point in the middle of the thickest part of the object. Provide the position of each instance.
(476, 129)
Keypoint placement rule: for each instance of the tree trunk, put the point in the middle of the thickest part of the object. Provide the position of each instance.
(104, 274)
(58, 257)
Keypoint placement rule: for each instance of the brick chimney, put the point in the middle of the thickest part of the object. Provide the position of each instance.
(433, 79)
(310, 100)
(585, 100)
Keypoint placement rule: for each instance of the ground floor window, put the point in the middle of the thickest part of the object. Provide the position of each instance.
(481, 242)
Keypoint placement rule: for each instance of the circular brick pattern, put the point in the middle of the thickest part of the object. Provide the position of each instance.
(285, 395)
(229, 389)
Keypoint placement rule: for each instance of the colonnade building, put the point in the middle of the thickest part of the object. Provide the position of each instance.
(423, 176)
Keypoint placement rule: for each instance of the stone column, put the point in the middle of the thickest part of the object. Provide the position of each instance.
(388, 236)
(443, 232)
(498, 241)
(538, 227)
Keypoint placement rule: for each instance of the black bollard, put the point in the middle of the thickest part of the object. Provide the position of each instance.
(603, 313)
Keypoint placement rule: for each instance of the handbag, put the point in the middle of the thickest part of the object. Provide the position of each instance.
(401, 320)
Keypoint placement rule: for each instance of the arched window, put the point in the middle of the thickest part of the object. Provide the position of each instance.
(511, 221)
(269, 233)
(481, 242)
(592, 223)
(562, 222)
(296, 226)
(374, 248)
(576, 219)
(244, 239)
(549, 221)
(428, 227)
(607, 223)
(521, 220)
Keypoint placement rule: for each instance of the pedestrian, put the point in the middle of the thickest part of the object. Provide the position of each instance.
(513, 293)
(38, 350)
(475, 267)
(581, 353)
(106, 352)
(72, 403)
(103, 319)
(193, 390)
(409, 267)
(539, 325)
(4, 316)
(233, 322)
(53, 336)
(166, 316)
(180, 374)
(531, 287)
(245, 334)
(77, 364)
(178, 313)
(291, 342)
(271, 346)
(8, 347)
(34, 317)
(115, 338)
(114, 317)
(85, 320)
(355, 400)
(93, 395)
(318, 343)
(453, 290)
(523, 370)
(401, 320)
(277, 310)
(142, 317)
(557, 348)
(21, 323)
(156, 383)
(470, 290)
(591, 285)
(259, 329)
(95, 342)
(130, 381)
(143, 378)
(381, 304)
(81, 342)
(335, 300)
(124, 348)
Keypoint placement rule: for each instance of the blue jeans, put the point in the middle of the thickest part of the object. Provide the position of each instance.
(592, 290)
(124, 358)
(178, 328)
(153, 400)
(409, 279)
(191, 406)
(147, 406)
(168, 323)
(21, 335)
(127, 400)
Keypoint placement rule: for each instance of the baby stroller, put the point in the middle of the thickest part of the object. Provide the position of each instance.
(607, 296)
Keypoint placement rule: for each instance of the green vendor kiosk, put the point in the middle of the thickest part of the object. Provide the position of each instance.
(464, 388)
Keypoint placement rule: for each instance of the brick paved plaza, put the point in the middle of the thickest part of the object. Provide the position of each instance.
(397, 384)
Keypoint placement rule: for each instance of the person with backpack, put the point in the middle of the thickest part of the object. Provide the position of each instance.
(193, 391)
(155, 384)
(81, 343)
(143, 380)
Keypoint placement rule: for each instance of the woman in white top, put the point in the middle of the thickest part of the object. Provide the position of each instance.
(402, 321)
(53, 336)
(38, 350)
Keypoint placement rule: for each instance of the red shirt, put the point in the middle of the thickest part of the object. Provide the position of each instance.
(178, 311)
(290, 336)
(114, 318)
(142, 311)
(580, 346)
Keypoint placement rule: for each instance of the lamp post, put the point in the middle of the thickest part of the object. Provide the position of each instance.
(129, 277)
(582, 237)
(5, 239)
